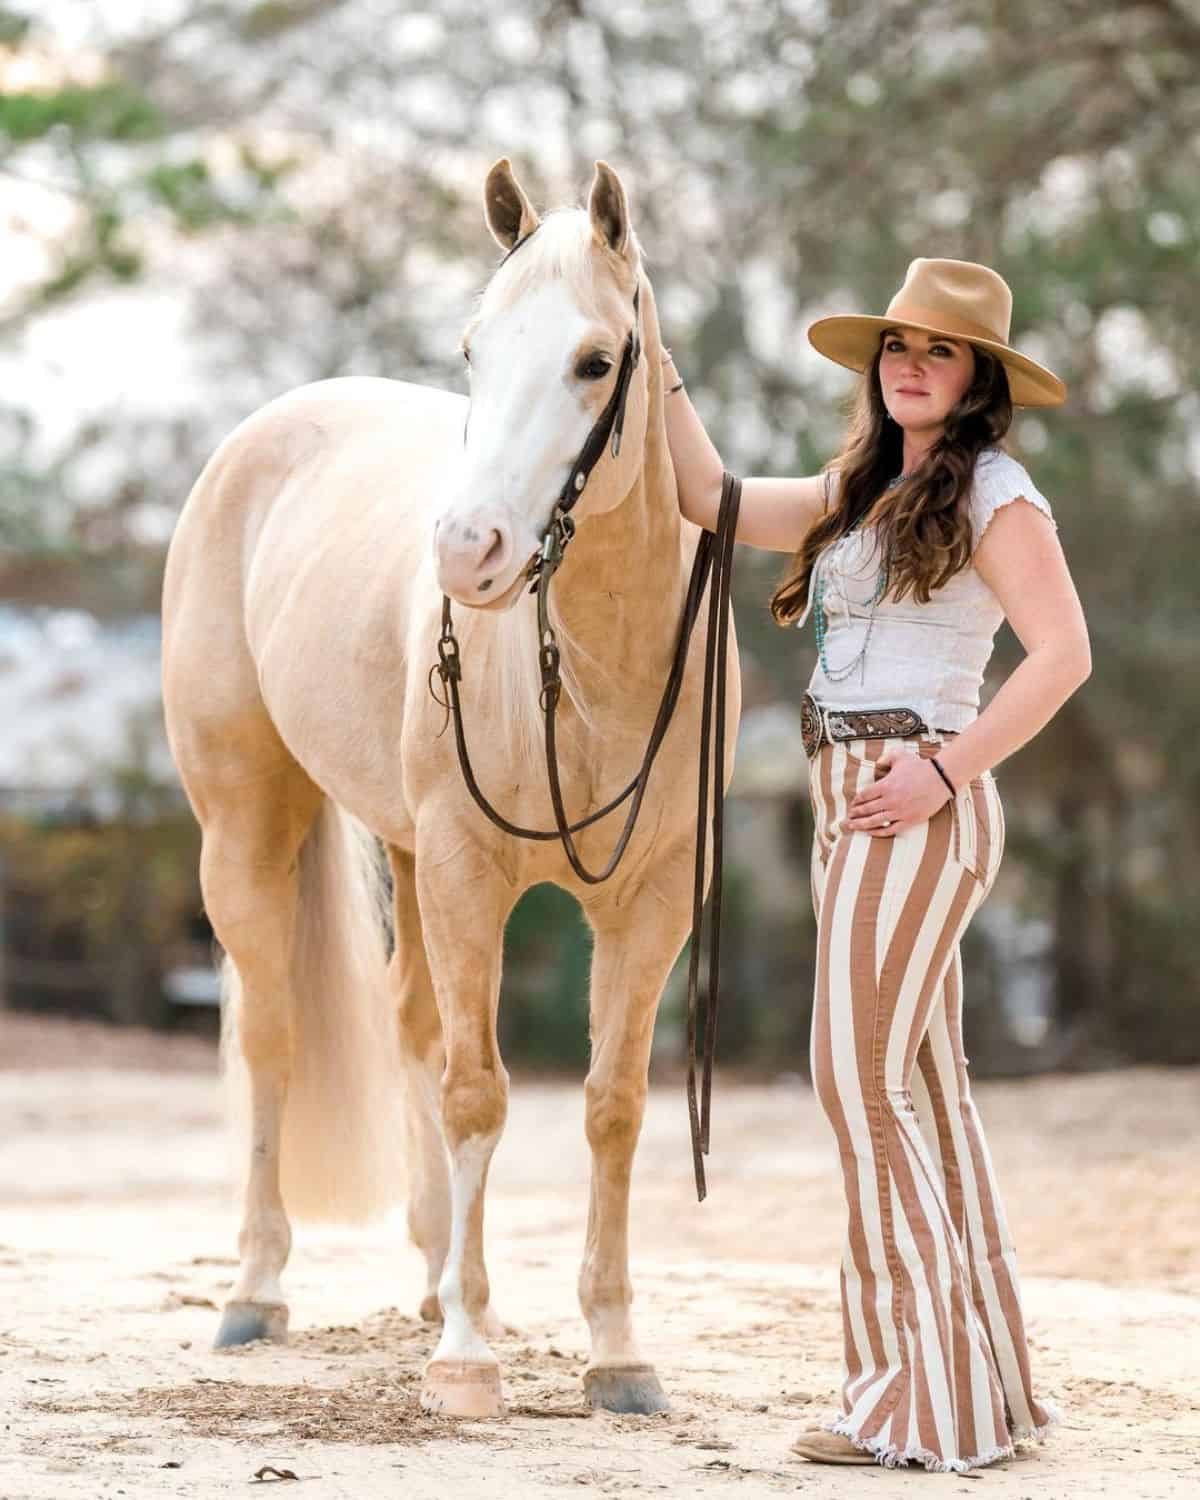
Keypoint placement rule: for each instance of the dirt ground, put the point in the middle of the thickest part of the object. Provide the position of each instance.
(117, 1236)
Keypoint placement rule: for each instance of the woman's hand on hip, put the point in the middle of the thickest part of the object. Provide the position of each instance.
(907, 791)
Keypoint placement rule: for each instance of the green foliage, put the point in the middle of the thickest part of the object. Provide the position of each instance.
(187, 189)
(14, 26)
(104, 250)
(544, 1008)
(106, 111)
(113, 153)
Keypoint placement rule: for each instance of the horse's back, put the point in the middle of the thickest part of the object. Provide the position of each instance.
(390, 431)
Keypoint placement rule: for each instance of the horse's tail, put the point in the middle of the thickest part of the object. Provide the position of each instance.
(342, 1146)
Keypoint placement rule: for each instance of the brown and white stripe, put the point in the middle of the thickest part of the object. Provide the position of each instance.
(936, 1362)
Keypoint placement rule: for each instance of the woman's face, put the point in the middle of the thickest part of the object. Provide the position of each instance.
(923, 376)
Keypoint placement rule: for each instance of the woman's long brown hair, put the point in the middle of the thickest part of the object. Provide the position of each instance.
(923, 526)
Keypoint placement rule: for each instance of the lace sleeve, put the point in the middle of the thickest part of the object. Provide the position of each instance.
(999, 480)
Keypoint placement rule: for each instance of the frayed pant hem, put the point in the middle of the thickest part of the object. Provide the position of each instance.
(1037, 1433)
(892, 1456)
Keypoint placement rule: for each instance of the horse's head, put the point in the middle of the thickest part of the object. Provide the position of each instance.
(545, 351)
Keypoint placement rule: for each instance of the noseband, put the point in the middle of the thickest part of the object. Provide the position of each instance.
(711, 549)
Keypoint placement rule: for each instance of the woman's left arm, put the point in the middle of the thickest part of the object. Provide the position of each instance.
(1020, 559)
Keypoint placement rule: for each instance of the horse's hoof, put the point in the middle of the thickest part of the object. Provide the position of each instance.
(625, 1388)
(462, 1388)
(431, 1309)
(243, 1322)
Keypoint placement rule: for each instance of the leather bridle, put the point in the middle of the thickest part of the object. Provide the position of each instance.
(712, 567)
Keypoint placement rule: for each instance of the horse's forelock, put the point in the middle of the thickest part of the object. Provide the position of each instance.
(562, 248)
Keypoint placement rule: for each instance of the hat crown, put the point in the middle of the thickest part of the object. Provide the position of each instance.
(958, 295)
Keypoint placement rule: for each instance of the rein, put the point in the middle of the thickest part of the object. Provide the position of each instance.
(712, 567)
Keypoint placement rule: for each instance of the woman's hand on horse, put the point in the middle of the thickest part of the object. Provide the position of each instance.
(907, 791)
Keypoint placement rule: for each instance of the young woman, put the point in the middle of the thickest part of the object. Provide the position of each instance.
(908, 552)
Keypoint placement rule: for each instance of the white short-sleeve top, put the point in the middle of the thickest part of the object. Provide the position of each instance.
(929, 657)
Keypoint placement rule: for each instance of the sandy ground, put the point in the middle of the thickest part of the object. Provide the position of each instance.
(116, 1241)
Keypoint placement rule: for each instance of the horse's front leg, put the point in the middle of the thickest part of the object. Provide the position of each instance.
(634, 949)
(464, 901)
(423, 1060)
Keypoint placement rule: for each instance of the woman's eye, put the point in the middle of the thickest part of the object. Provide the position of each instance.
(894, 346)
(595, 368)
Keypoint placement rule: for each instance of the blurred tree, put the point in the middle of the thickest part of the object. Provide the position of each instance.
(302, 179)
(101, 184)
(1060, 145)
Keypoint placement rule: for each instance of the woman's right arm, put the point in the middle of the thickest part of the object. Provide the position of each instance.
(776, 514)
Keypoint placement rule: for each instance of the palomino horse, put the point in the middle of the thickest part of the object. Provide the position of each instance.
(300, 621)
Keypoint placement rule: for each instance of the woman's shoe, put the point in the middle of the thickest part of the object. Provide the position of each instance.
(822, 1447)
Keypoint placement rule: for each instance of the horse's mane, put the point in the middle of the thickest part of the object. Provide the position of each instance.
(511, 649)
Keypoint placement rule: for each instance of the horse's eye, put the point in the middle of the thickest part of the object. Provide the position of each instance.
(466, 354)
(595, 368)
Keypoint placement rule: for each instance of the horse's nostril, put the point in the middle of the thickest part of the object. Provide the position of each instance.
(492, 555)
(485, 585)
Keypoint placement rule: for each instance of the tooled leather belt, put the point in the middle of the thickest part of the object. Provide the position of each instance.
(826, 726)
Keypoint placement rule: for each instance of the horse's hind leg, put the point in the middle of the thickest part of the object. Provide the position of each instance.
(635, 947)
(422, 1058)
(249, 875)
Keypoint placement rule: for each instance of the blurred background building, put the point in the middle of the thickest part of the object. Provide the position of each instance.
(204, 204)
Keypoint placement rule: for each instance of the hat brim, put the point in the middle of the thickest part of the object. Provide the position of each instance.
(852, 340)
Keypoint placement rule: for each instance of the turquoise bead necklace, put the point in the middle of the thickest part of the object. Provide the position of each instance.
(820, 618)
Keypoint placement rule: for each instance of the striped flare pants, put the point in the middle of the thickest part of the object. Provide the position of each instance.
(936, 1362)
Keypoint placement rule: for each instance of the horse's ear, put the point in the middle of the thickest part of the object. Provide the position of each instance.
(609, 210)
(510, 215)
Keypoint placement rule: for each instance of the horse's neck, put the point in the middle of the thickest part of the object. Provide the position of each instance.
(621, 598)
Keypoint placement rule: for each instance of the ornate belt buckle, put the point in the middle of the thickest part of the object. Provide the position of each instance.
(812, 725)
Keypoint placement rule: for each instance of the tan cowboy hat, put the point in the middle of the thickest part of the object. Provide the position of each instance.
(953, 297)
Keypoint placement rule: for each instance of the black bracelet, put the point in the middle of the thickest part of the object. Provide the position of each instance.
(937, 766)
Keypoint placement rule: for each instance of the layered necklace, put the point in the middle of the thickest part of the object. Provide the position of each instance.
(820, 616)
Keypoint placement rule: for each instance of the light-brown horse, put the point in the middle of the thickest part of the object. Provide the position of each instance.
(300, 621)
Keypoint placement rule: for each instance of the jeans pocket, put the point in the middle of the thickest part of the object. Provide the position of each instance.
(973, 845)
